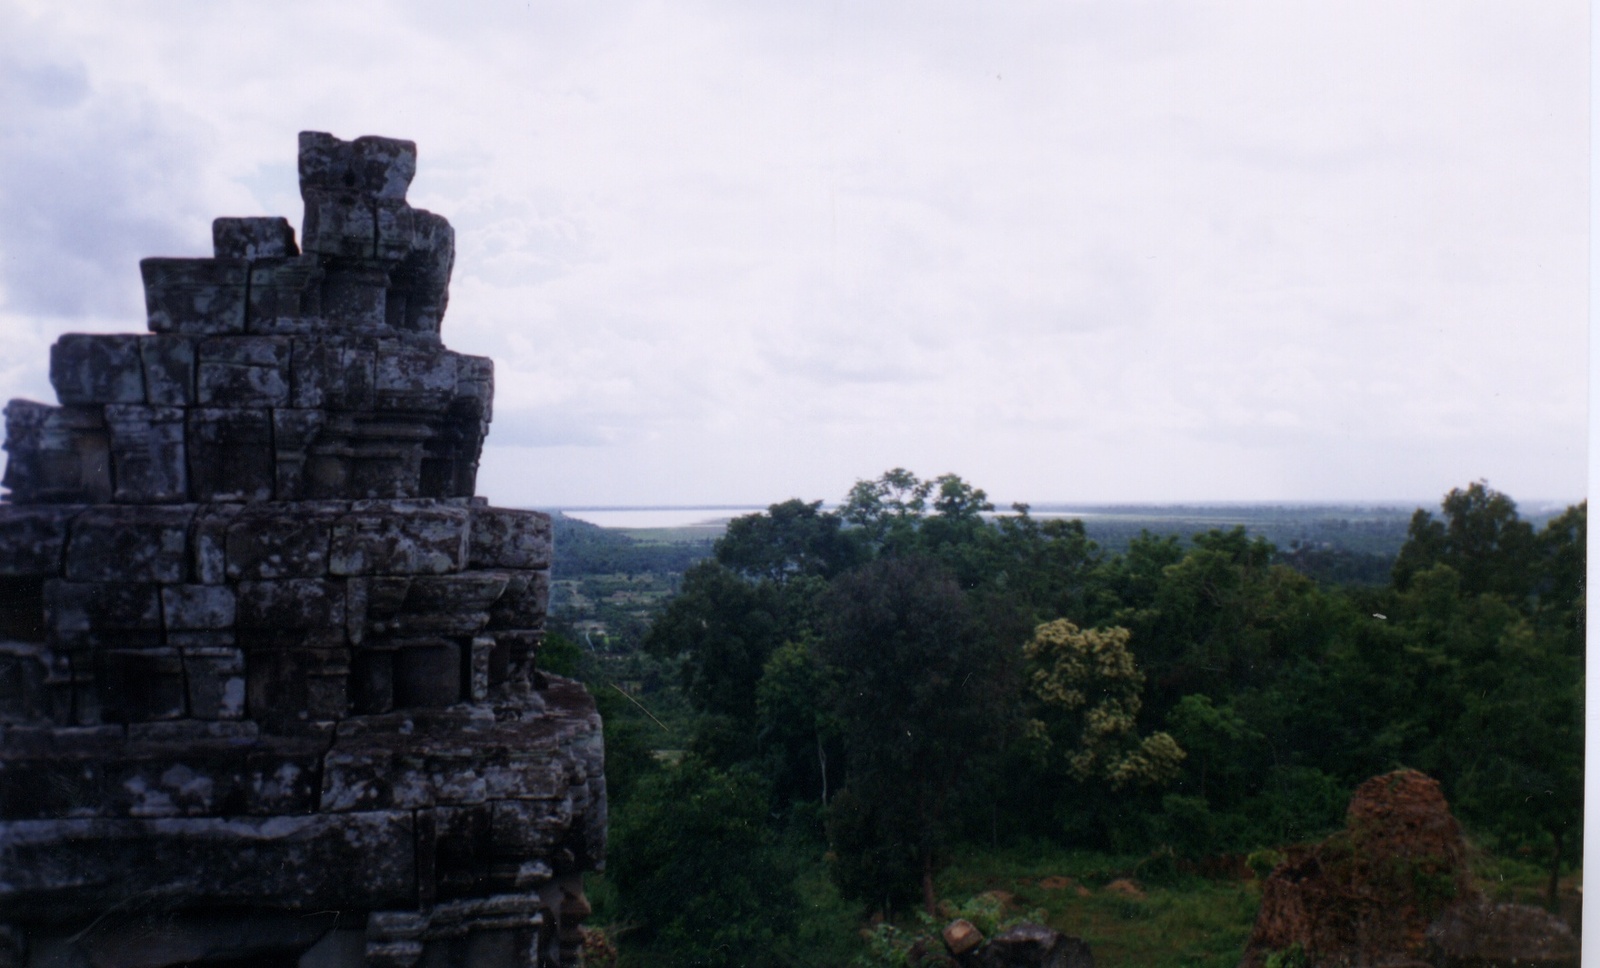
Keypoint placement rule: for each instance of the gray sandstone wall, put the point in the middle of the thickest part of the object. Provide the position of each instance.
(268, 669)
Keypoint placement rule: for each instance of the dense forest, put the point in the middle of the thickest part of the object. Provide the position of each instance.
(868, 694)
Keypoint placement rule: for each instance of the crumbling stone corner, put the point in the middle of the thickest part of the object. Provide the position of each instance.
(269, 688)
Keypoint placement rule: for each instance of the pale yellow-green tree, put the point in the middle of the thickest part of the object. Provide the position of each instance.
(1088, 684)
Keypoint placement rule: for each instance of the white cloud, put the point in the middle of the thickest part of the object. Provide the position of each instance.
(724, 252)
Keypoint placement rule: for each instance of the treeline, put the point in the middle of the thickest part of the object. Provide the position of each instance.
(588, 549)
(879, 686)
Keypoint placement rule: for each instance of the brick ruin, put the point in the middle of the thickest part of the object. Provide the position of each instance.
(268, 691)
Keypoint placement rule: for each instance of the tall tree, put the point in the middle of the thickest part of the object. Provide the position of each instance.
(924, 689)
(1089, 686)
(789, 540)
(1481, 537)
(722, 627)
(699, 871)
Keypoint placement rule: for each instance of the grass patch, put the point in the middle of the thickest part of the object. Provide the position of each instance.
(1179, 922)
(1185, 921)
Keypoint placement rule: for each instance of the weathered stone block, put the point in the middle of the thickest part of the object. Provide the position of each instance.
(421, 282)
(50, 786)
(295, 603)
(372, 681)
(285, 296)
(57, 454)
(215, 679)
(334, 373)
(230, 454)
(447, 477)
(507, 538)
(385, 466)
(285, 778)
(400, 538)
(293, 433)
(316, 862)
(169, 367)
(249, 371)
(140, 685)
(394, 229)
(451, 623)
(524, 602)
(373, 456)
(158, 782)
(452, 847)
(337, 223)
(281, 541)
(34, 538)
(386, 596)
(353, 298)
(202, 638)
(200, 296)
(29, 673)
(479, 656)
(527, 828)
(516, 653)
(89, 368)
(1034, 944)
(475, 386)
(253, 238)
(22, 608)
(197, 607)
(419, 378)
(149, 462)
(356, 600)
(961, 936)
(372, 604)
(366, 778)
(427, 673)
(121, 544)
(280, 640)
(467, 592)
(285, 686)
(514, 774)
(79, 646)
(211, 542)
(134, 938)
(376, 167)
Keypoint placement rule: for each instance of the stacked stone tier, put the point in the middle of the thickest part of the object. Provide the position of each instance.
(282, 613)
(453, 821)
(174, 419)
(268, 685)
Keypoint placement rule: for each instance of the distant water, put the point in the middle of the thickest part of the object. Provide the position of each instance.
(1219, 512)
(672, 517)
(657, 517)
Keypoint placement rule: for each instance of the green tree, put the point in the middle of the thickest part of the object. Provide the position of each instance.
(1563, 559)
(699, 871)
(789, 540)
(1089, 686)
(1521, 742)
(799, 737)
(1481, 537)
(1051, 567)
(923, 689)
(888, 510)
(724, 628)
(1223, 618)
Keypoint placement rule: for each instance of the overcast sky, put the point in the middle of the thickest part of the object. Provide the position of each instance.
(1109, 251)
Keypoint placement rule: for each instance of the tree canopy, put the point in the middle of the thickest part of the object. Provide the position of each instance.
(890, 679)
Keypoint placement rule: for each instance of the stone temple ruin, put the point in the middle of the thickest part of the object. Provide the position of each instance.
(268, 691)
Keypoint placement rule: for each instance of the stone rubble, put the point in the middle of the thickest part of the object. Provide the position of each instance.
(268, 684)
(1393, 890)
